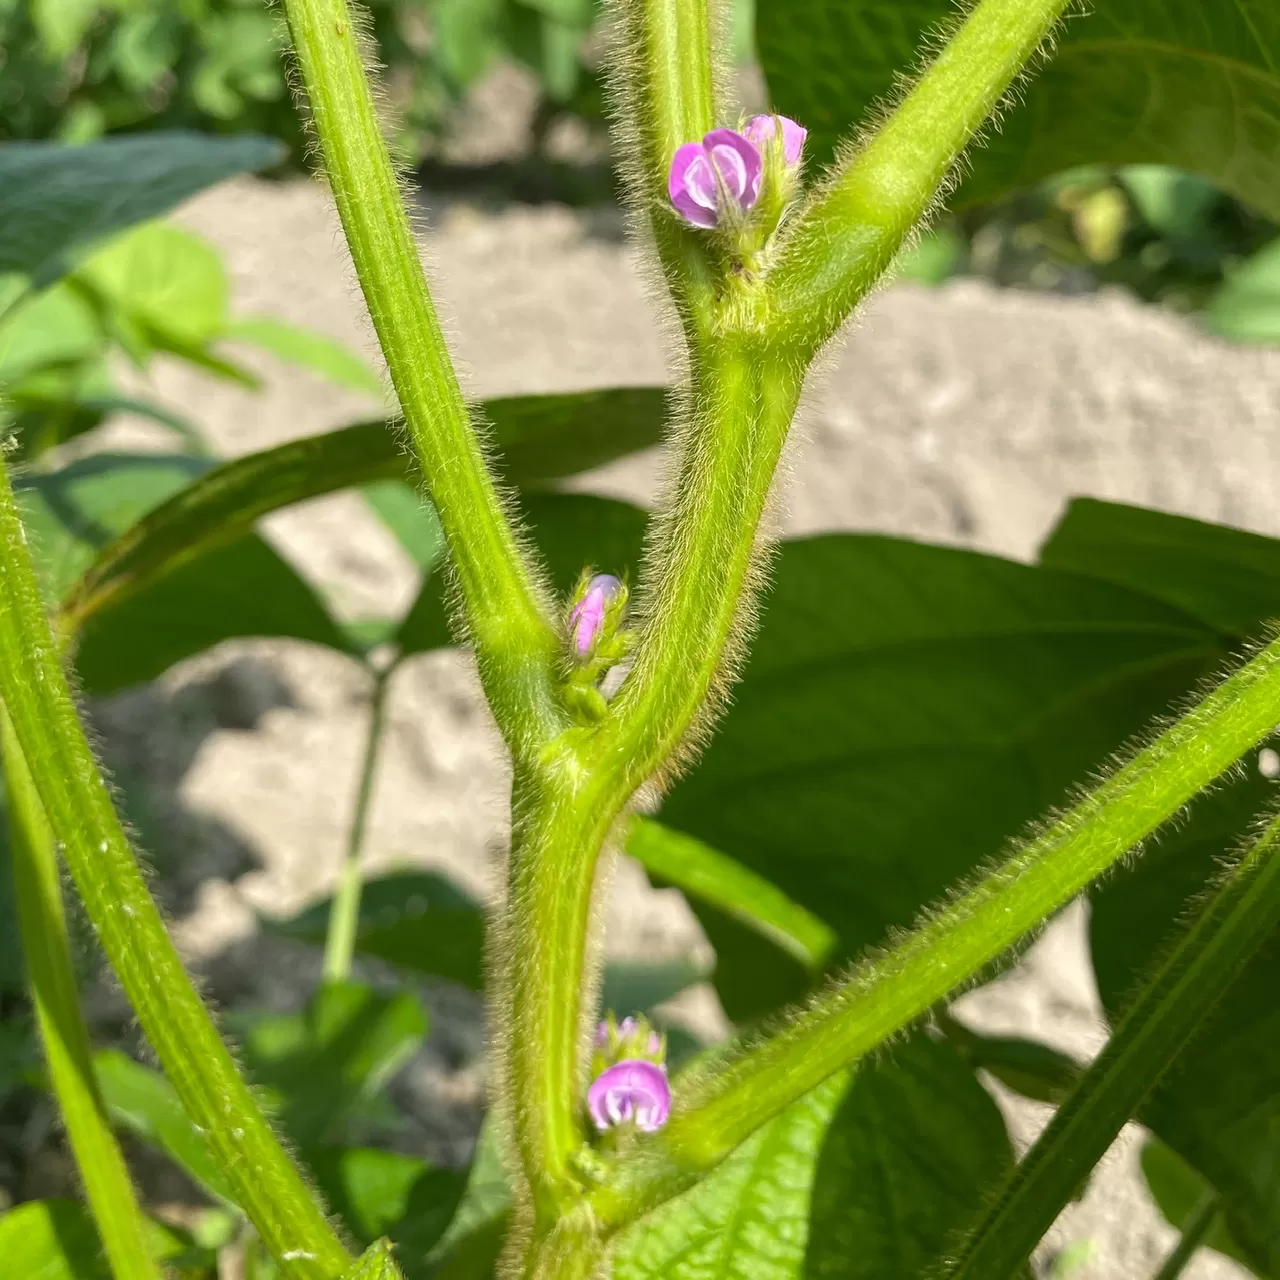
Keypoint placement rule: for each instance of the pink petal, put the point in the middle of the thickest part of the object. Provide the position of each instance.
(738, 162)
(678, 186)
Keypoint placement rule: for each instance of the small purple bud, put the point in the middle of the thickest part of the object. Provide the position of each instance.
(632, 1090)
(587, 616)
(761, 130)
(719, 175)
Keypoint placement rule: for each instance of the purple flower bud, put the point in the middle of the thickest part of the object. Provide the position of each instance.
(587, 616)
(632, 1090)
(761, 130)
(716, 177)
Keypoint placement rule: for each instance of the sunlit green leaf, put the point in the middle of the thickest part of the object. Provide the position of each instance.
(1247, 306)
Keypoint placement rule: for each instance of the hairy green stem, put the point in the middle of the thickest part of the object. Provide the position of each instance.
(515, 644)
(718, 1110)
(344, 914)
(46, 950)
(556, 838)
(77, 802)
(1175, 1000)
(665, 74)
(841, 243)
(704, 550)
(1199, 1224)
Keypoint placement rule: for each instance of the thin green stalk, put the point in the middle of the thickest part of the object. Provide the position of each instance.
(841, 244)
(1179, 995)
(344, 914)
(46, 949)
(1199, 1224)
(718, 1110)
(77, 802)
(516, 646)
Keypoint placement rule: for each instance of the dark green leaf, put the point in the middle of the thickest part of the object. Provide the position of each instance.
(912, 1152)
(55, 200)
(1025, 1066)
(750, 1214)
(415, 919)
(325, 1064)
(1191, 85)
(241, 588)
(1219, 1106)
(412, 519)
(382, 1193)
(908, 709)
(543, 437)
(1178, 1190)
(573, 531)
(1227, 578)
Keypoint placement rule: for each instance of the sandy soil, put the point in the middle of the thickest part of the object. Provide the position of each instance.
(961, 415)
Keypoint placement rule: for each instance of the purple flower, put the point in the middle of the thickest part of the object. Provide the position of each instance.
(587, 616)
(632, 1090)
(761, 130)
(716, 177)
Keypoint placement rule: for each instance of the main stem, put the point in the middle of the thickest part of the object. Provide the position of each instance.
(46, 951)
(34, 689)
(516, 646)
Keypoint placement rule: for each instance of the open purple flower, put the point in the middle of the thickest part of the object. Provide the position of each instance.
(716, 178)
(634, 1091)
(587, 616)
(761, 130)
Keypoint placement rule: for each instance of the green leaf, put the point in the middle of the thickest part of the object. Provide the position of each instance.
(376, 1263)
(55, 201)
(1025, 1066)
(1219, 1106)
(1177, 1190)
(1227, 578)
(141, 1100)
(1190, 85)
(382, 1193)
(1247, 306)
(711, 876)
(412, 519)
(573, 531)
(414, 919)
(62, 24)
(164, 279)
(913, 1150)
(750, 1217)
(325, 1064)
(56, 1240)
(309, 350)
(57, 328)
(907, 709)
(243, 588)
(636, 988)
(544, 437)
(1175, 204)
